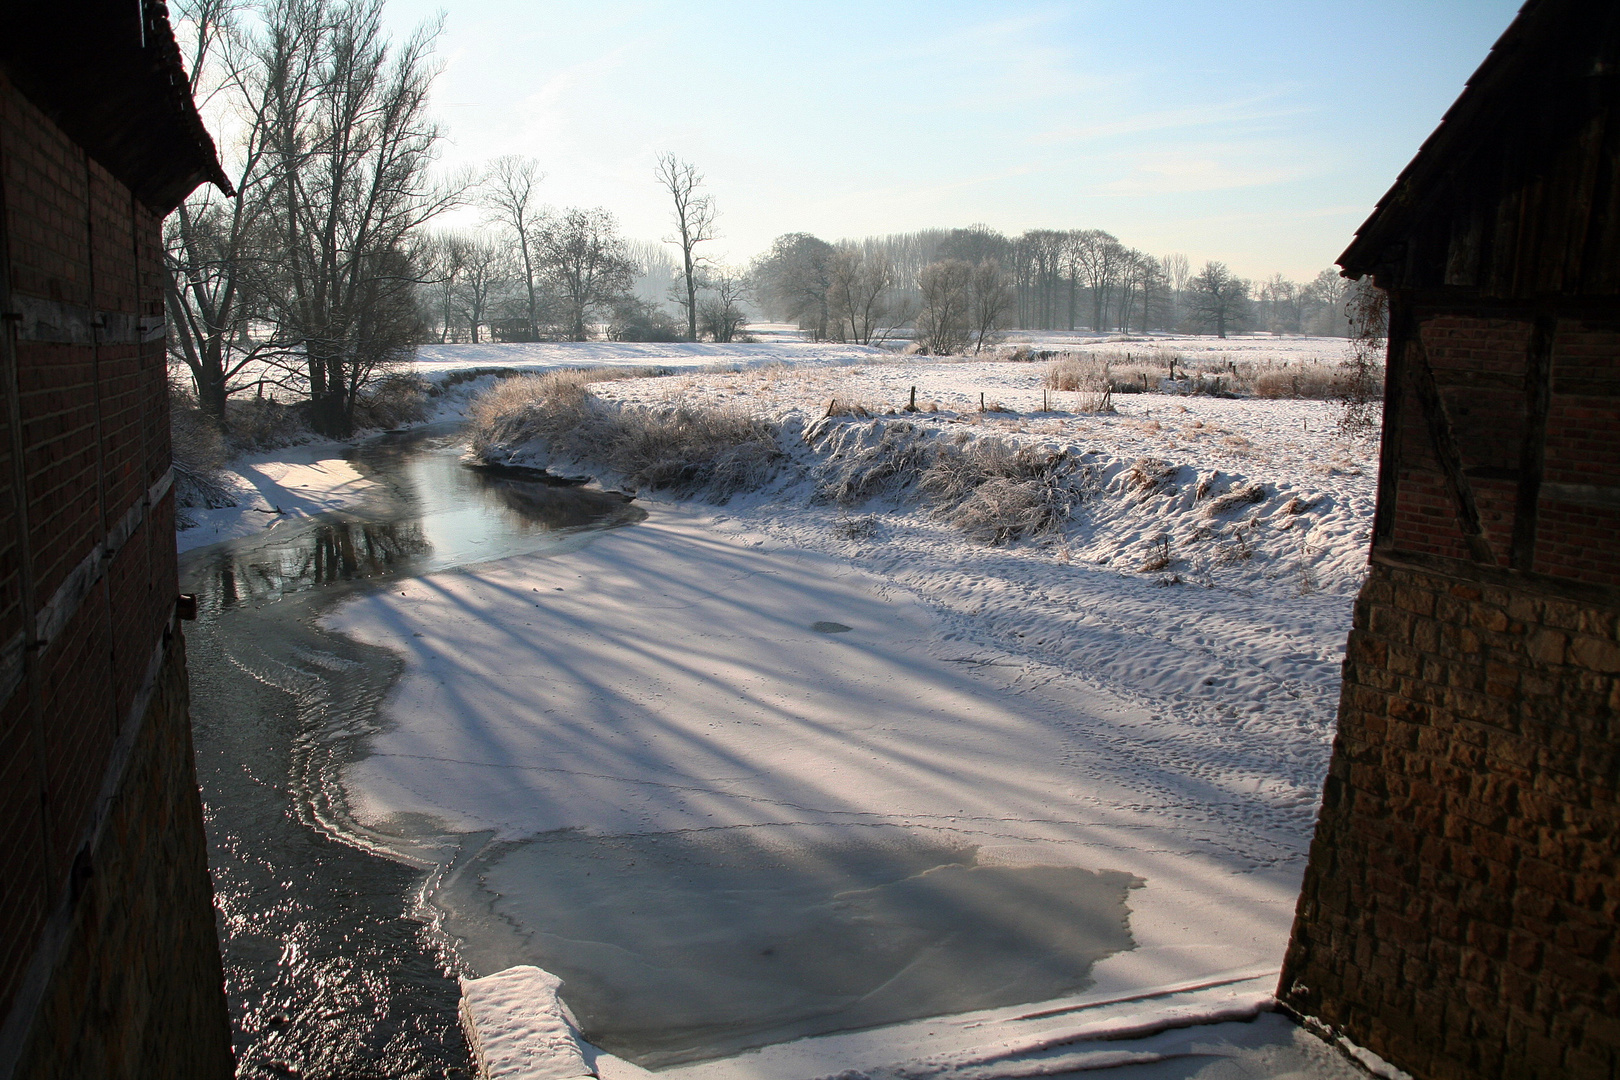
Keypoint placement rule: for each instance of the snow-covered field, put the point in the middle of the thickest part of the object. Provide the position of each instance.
(1150, 690)
(438, 360)
(1196, 349)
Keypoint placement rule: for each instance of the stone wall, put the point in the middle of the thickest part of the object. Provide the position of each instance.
(1458, 916)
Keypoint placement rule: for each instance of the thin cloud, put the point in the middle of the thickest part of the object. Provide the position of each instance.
(1244, 111)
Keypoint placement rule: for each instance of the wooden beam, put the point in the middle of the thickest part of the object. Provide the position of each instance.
(1445, 451)
(1533, 447)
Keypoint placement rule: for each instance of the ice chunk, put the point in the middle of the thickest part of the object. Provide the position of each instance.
(519, 1028)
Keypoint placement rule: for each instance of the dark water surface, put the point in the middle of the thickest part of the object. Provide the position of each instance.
(329, 973)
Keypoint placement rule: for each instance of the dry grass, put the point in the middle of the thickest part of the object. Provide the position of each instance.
(1243, 496)
(679, 448)
(1316, 382)
(1158, 557)
(1138, 371)
(1149, 475)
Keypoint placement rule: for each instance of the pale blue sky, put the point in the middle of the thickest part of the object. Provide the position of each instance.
(1259, 132)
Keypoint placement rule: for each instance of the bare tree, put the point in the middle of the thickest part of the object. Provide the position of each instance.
(657, 273)
(858, 294)
(444, 261)
(943, 324)
(1143, 277)
(508, 196)
(991, 300)
(1097, 259)
(209, 241)
(348, 145)
(1177, 272)
(587, 265)
(486, 271)
(721, 310)
(1281, 305)
(1325, 303)
(1218, 298)
(694, 224)
(1042, 252)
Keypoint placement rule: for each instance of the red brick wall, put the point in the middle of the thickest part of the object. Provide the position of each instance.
(87, 575)
(1479, 371)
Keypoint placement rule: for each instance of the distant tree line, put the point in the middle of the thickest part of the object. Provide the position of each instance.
(961, 288)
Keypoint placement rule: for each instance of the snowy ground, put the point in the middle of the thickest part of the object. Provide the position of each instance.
(438, 360)
(1194, 348)
(275, 487)
(777, 665)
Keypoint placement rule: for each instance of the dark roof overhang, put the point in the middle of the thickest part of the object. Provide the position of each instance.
(109, 73)
(1545, 64)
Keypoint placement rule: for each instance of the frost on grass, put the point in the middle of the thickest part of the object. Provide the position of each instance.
(998, 492)
(991, 489)
(865, 461)
(680, 448)
(1240, 496)
(993, 483)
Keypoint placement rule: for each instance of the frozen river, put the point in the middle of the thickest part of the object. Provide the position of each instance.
(329, 967)
(341, 938)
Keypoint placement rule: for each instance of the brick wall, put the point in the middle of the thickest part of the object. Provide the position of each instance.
(1459, 912)
(138, 995)
(87, 589)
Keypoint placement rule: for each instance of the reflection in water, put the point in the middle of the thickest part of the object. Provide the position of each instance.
(328, 975)
(317, 555)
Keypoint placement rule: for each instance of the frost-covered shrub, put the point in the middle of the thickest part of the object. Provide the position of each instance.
(392, 401)
(997, 492)
(199, 454)
(868, 460)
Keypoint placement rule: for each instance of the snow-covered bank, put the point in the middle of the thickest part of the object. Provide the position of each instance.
(289, 484)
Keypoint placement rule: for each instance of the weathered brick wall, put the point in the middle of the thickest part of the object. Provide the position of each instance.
(138, 994)
(87, 589)
(1460, 908)
(1459, 913)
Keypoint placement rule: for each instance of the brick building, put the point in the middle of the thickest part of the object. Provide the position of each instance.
(109, 961)
(1459, 911)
